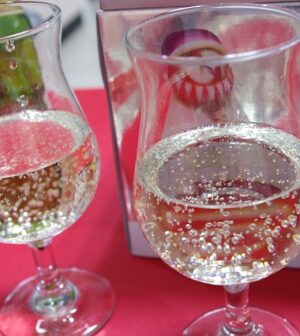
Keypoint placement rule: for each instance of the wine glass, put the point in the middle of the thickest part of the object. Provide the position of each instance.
(218, 168)
(49, 168)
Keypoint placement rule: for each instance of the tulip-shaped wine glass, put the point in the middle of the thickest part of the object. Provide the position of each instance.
(49, 169)
(218, 167)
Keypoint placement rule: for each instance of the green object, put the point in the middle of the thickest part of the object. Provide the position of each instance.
(20, 75)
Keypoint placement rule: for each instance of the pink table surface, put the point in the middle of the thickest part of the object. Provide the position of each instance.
(152, 299)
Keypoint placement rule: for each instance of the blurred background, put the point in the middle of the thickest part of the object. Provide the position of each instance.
(79, 44)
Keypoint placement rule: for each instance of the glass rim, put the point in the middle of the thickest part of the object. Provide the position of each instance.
(215, 59)
(56, 14)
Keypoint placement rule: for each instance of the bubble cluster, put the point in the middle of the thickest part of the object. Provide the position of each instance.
(48, 174)
(10, 46)
(223, 201)
(23, 101)
(13, 64)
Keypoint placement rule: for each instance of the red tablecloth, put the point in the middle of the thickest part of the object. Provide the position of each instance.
(152, 299)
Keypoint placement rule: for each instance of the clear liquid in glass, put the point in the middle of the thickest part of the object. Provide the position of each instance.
(220, 204)
(48, 173)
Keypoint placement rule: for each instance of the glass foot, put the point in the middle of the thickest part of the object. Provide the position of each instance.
(266, 324)
(92, 307)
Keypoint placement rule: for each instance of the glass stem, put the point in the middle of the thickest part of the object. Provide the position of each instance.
(237, 312)
(48, 275)
(52, 292)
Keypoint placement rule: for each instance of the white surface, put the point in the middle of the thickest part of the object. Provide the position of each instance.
(80, 51)
(68, 12)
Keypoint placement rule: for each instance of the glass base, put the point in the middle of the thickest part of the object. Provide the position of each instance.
(266, 324)
(92, 307)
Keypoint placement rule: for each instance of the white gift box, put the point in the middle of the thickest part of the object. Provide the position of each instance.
(113, 19)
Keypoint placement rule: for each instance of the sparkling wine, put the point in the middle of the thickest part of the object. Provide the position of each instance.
(220, 204)
(48, 173)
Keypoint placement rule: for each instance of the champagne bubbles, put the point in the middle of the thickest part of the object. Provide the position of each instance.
(42, 190)
(296, 238)
(228, 201)
(13, 64)
(10, 46)
(23, 100)
(284, 262)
